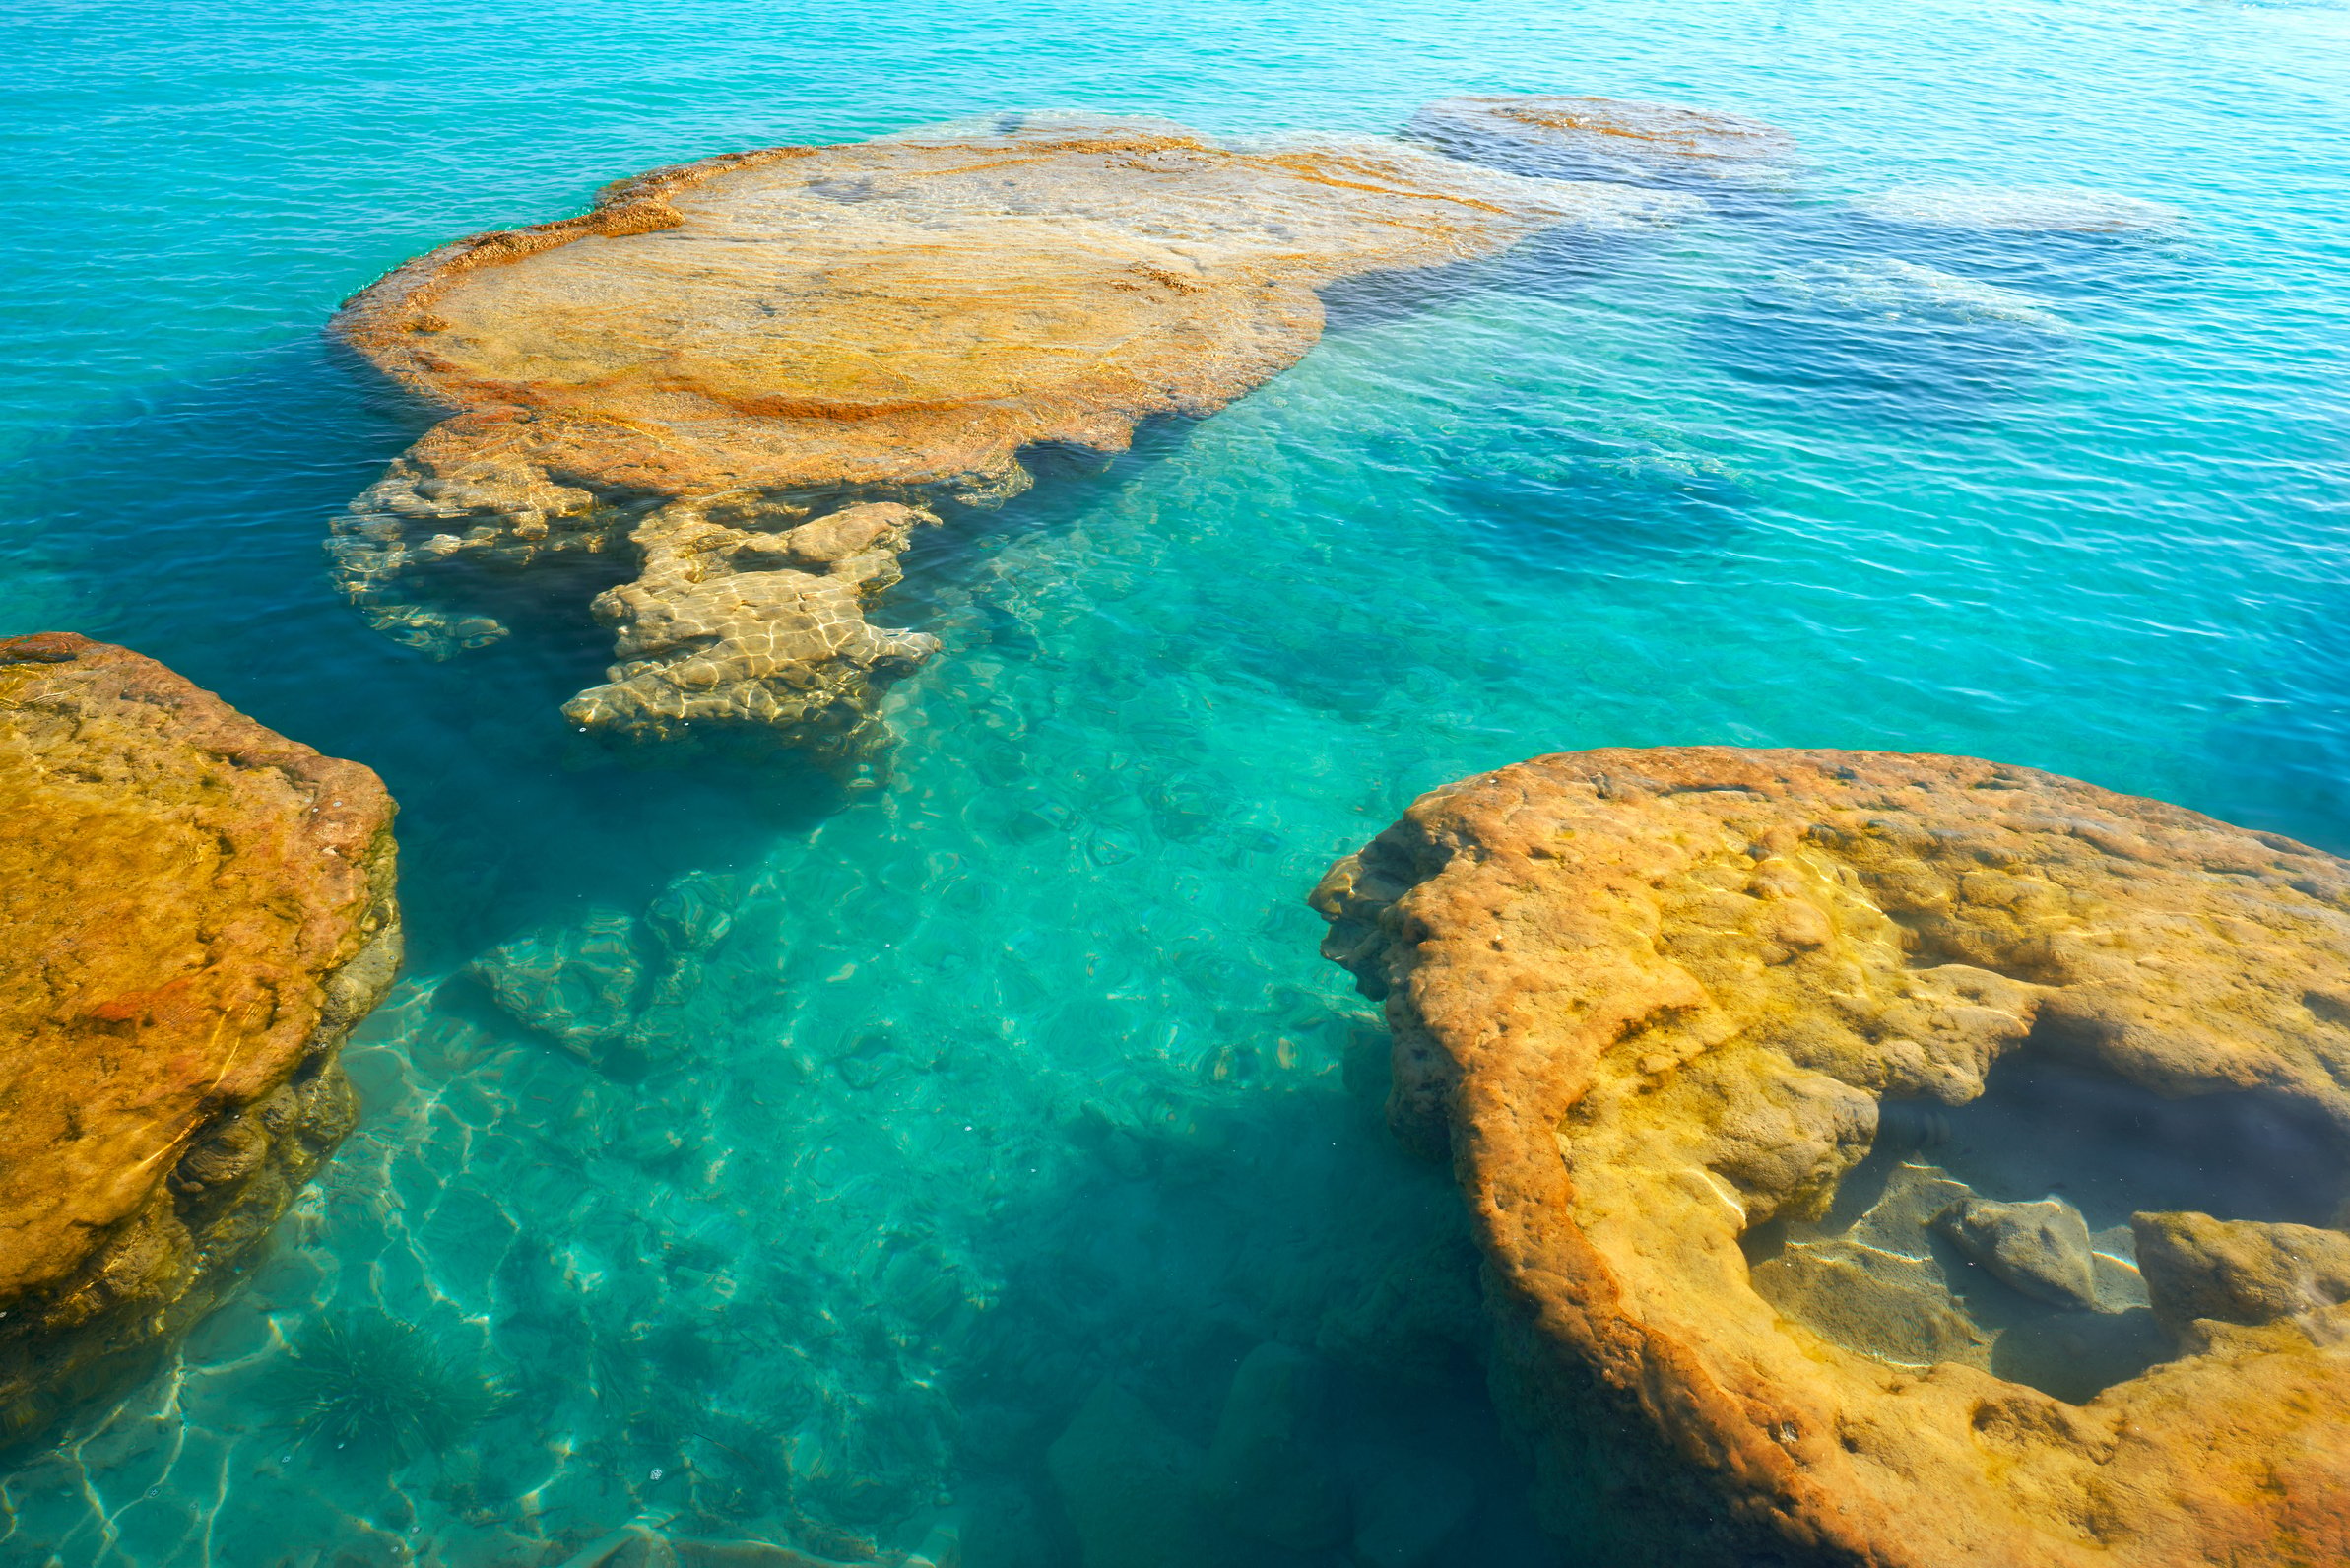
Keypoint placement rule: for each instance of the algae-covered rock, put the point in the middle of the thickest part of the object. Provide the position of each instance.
(198, 910)
(1656, 1005)
(735, 372)
(2239, 1271)
(2039, 1248)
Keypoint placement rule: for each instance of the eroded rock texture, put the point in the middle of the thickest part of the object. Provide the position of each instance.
(731, 368)
(1605, 139)
(1658, 1003)
(197, 911)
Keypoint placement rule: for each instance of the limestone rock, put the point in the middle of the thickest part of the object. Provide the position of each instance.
(1616, 982)
(730, 624)
(198, 911)
(2239, 1271)
(2039, 1248)
(1610, 139)
(706, 370)
(1265, 1473)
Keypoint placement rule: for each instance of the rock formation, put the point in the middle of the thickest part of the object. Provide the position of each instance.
(1660, 1004)
(739, 371)
(1609, 139)
(198, 910)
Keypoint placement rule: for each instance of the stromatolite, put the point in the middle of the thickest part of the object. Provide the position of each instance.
(197, 911)
(717, 358)
(1661, 1004)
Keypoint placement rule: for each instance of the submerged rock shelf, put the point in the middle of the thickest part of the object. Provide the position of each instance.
(198, 911)
(721, 351)
(1708, 1034)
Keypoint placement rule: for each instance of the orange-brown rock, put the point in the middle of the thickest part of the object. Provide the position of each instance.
(1594, 138)
(197, 911)
(1661, 1005)
(735, 346)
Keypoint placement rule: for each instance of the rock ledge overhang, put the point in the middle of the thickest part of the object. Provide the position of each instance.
(1651, 999)
(198, 910)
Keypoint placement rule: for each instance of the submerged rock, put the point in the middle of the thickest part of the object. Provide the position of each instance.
(1651, 1002)
(706, 370)
(637, 1547)
(578, 985)
(1129, 1485)
(2201, 1268)
(198, 911)
(2039, 1248)
(1610, 139)
(1888, 289)
(1265, 1474)
(2022, 212)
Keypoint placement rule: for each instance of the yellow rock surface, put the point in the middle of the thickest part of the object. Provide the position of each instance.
(760, 337)
(197, 911)
(1652, 1001)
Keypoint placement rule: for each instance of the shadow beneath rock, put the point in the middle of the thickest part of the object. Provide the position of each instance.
(191, 527)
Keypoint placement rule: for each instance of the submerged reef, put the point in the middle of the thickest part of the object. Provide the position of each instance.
(745, 373)
(1606, 139)
(198, 912)
(1900, 1160)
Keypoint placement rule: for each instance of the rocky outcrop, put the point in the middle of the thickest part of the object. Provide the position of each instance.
(1608, 139)
(1663, 1005)
(198, 911)
(722, 368)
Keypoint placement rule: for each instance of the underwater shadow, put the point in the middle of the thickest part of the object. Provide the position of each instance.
(193, 525)
(1272, 1276)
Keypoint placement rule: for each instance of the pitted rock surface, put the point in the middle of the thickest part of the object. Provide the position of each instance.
(1651, 1000)
(198, 910)
(732, 349)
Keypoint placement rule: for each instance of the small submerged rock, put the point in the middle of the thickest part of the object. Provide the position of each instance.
(198, 912)
(576, 984)
(2039, 1248)
(1660, 1006)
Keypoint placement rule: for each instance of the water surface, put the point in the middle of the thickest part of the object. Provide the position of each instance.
(1011, 1069)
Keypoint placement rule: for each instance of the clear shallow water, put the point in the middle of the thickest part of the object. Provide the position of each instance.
(1016, 1070)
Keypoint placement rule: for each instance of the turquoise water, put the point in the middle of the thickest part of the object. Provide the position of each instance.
(1012, 1068)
